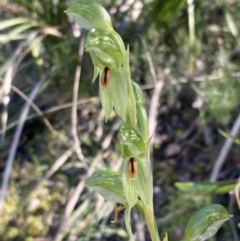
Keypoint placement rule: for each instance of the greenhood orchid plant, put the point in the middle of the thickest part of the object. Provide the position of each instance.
(133, 186)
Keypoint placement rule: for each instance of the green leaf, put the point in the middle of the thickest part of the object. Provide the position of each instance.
(228, 136)
(11, 22)
(90, 14)
(166, 11)
(225, 188)
(13, 34)
(204, 188)
(109, 185)
(200, 188)
(231, 23)
(206, 222)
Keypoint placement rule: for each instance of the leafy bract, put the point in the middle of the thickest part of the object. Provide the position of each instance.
(90, 14)
(109, 185)
(205, 223)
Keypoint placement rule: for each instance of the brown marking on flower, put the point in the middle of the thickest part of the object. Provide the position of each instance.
(105, 77)
(119, 208)
(133, 168)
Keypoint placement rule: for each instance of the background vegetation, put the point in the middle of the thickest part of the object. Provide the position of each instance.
(184, 54)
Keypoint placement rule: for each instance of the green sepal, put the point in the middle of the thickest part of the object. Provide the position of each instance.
(132, 112)
(144, 181)
(109, 185)
(206, 222)
(106, 49)
(129, 186)
(90, 14)
(118, 92)
(139, 97)
(166, 237)
(96, 72)
(130, 142)
(105, 100)
(142, 118)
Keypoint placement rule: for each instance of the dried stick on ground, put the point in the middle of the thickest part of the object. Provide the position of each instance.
(35, 107)
(150, 61)
(76, 140)
(52, 109)
(224, 151)
(69, 218)
(57, 164)
(73, 200)
(61, 136)
(14, 145)
(18, 55)
(154, 107)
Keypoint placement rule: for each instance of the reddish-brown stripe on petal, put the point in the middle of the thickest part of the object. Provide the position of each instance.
(133, 167)
(105, 77)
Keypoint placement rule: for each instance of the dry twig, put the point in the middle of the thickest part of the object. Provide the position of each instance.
(34, 106)
(76, 140)
(14, 145)
(53, 109)
(224, 151)
(74, 198)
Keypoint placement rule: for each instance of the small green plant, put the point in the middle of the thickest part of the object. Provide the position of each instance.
(133, 187)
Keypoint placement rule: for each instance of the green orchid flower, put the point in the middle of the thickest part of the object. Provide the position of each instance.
(106, 49)
(113, 92)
